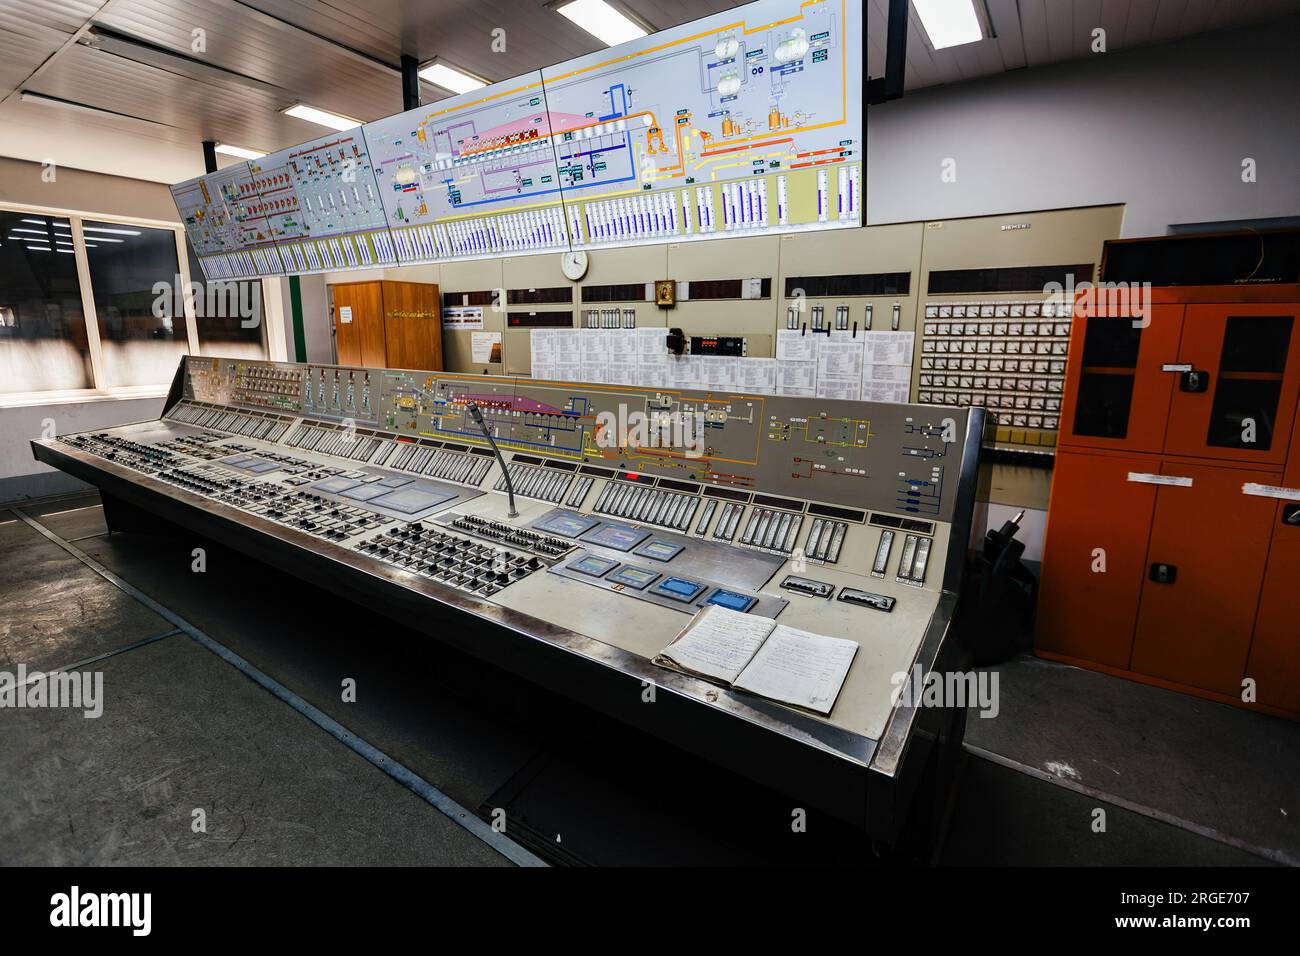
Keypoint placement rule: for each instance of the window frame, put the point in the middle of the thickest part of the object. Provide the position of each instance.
(98, 391)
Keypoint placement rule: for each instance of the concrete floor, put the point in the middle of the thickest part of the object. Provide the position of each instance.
(1180, 779)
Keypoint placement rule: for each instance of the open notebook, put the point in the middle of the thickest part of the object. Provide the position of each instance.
(758, 655)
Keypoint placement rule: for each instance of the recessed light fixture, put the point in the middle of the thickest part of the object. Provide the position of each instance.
(949, 22)
(115, 232)
(242, 152)
(609, 26)
(321, 117)
(38, 222)
(34, 232)
(439, 73)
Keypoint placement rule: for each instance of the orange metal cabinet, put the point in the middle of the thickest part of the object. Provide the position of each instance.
(1084, 612)
(1117, 393)
(1196, 630)
(1250, 356)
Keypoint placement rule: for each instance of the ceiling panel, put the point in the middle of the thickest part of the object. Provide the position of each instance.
(344, 55)
(33, 30)
(1038, 32)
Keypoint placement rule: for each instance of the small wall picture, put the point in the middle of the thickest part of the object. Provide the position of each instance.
(666, 293)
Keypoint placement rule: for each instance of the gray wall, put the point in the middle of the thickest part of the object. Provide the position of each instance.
(21, 476)
(1162, 129)
(78, 190)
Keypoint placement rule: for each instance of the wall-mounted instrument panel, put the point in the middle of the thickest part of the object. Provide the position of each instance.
(745, 122)
(637, 508)
(995, 298)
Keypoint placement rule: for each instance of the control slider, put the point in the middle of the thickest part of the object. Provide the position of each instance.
(808, 586)
(878, 602)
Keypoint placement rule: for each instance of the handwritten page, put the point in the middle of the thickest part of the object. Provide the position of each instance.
(799, 668)
(718, 643)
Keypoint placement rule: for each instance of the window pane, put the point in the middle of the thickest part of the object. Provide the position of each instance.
(42, 326)
(140, 347)
(1250, 381)
(228, 314)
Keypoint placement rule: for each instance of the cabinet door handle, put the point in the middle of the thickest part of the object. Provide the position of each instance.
(1164, 573)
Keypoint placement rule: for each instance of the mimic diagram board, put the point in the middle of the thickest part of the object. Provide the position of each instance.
(321, 204)
(744, 122)
(471, 175)
(229, 233)
(867, 455)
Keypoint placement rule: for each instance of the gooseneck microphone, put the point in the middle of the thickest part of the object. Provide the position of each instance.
(477, 415)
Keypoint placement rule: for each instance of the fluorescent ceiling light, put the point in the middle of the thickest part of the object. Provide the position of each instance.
(116, 232)
(949, 22)
(321, 117)
(39, 222)
(602, 21)
(241, 151)
(39, 249)
(34, 232)
(27, 96)
(450, 78)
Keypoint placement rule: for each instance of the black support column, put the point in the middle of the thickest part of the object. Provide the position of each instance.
(410, 82)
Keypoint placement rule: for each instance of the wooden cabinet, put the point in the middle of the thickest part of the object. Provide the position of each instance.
(386, 324)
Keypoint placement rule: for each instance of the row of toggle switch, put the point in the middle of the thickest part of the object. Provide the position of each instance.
(545, 484)
(650, 505)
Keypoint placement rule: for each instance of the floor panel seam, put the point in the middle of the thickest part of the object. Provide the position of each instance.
(406, 777)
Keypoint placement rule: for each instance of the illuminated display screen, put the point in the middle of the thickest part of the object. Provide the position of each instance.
(620, 537)
(632, 577)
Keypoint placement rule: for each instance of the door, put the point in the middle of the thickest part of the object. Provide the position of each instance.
(1246, 359)
(359, 324)
(1117, 392)
(1093, 557)
(1194, 623)
(413, 326)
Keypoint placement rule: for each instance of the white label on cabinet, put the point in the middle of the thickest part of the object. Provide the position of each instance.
(1147, 478)
(1270, 491)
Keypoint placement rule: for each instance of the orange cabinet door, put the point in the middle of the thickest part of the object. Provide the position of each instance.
(1275, 653)
(1117, 391)
(1094, 557)
(1196, 628)
(1249, 355)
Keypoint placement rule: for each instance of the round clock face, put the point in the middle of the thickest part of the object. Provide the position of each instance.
(574, 265)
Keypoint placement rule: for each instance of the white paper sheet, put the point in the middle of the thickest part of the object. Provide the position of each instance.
(798, 667)
(756, 376)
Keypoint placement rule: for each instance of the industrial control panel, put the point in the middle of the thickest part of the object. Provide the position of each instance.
(587, 522)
